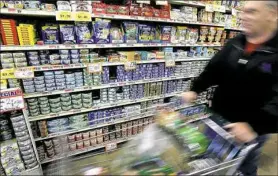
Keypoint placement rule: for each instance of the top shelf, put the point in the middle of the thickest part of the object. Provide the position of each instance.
(41, 13)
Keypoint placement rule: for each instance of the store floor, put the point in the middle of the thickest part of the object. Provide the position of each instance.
(268, 163)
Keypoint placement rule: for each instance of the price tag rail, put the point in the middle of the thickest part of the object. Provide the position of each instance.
(110, 45)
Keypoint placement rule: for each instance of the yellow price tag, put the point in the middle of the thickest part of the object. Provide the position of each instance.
(64, 16)
(82, 16)
(3, 84)
(7, 73)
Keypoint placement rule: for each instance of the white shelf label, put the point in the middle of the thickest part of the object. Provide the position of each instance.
(23, 73)
(161, 2)
(94, 68)
(111, 146)
(130, 65)
(143, 1)
(11, 99)
(170, 63)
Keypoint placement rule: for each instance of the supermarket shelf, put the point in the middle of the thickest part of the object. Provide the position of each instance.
(81, 65)
(23, 12)
(103, 145)
(153, 19)
(93, 127)
(143, 115)
(80, 151)
(102, 106)
(86, 88)
(92, 46)
(41, 13)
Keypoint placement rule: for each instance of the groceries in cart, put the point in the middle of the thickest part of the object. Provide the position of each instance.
(171, 146)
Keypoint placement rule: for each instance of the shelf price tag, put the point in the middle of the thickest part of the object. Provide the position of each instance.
(94, 68)
(23, 73)
(111, 146)
(161, 2)
(7, 73)
(143, 1)
(11, 99)
(3, 84)
(130, 65)
(82, 16)
(209, 8)
(64, 16)
(170, 63)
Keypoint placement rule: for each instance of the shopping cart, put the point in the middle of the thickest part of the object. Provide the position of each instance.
(228, 159)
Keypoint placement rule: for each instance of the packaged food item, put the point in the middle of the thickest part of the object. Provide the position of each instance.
(67, 34)
(101, 29)
(131, 32)
(63, 6)
(72, 146)
(48, 7)
(50, 34)
(166, 33)
(83, 34)
(144, 33)
(116, 35)
(32, 5)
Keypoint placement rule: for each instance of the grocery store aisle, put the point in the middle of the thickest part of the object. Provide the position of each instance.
(268, 163)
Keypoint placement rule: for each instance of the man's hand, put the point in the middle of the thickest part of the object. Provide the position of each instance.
(243, 132)
(189, 97)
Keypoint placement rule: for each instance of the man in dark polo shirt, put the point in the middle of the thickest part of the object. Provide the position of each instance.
(246, 72)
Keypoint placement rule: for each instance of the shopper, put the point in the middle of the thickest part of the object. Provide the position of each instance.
(246, 73)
